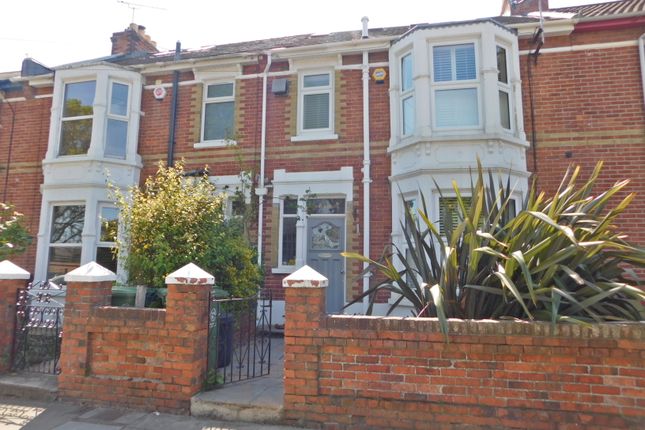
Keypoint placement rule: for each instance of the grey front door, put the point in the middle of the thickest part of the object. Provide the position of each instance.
(325, 242)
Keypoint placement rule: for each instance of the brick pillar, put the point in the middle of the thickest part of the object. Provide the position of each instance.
(12, 278)
(187, 311)
(305, 309)
(88, 286)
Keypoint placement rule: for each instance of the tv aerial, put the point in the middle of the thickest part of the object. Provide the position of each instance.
(135, 6)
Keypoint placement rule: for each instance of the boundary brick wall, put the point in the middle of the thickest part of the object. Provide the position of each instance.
(357, 372)
(141, 358)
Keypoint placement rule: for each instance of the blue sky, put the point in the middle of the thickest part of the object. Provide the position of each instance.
(63, 31)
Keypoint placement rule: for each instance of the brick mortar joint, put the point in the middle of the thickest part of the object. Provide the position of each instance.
(602, 331)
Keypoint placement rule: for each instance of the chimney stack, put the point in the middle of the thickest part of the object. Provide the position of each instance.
(524, 7)
(133, 39)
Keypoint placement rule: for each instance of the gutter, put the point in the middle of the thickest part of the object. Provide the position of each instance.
(261, 190)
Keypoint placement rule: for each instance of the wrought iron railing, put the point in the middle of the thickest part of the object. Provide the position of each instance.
(39, 328)
(239, 339)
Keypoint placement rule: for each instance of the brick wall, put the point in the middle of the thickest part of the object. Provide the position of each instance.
(22, 150)
(353, 372)
(589, 107)
(141, 358)
(8, 297)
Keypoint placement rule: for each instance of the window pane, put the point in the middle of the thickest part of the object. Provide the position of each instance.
(75, 136)
(63, 260)
(504, 110)
(290, 206)
(321, 80)
(315, 111)
(449, 213)
(109, 224)
(220, 90)
(79, 98)
(465, 62)
(289, 241)
(116, 138)
(406, 73)
(119, 101)
(106, 258)
(456, 108)
(67, 224)
(502, 74)
(411, 207)
(408, 115)
(442, 63)
(218, 120)
(326, 206)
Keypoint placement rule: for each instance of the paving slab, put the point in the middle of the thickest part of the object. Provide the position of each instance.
(54, 415)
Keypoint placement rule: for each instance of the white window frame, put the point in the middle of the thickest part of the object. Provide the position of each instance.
(456, 84)
(297, 216)
(99, 242)
(229, 186)
(51, 244)
(216, 143)
(124, 118)
(506, 88)
(317, 133)
(406, 94)
(63, 119)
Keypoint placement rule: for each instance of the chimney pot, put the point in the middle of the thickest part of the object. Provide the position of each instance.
(365, 20)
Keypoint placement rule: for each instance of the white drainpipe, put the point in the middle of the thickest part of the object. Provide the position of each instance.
(366, 166)
(261, 190)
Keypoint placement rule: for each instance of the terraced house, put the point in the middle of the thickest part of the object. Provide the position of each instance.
(328, 138)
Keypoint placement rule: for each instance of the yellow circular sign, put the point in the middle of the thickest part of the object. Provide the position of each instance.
(379, 74)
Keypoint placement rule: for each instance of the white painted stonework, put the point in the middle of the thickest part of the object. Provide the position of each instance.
(305, 277)
(190, 274)
(8, 270)
(90, 272)
(83, 179)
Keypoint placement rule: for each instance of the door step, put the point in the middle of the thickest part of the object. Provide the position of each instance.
(31, 386)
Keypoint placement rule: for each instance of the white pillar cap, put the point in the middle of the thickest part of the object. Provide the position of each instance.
(8, 270)
(90, 272)
(190, 274)
(305, 277)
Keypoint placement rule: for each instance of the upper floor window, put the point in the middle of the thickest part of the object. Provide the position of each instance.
(455, 86)
(219, 112)
(116, 138)
(407, 95)
(504, 88)
(77, 118)
(316, 102)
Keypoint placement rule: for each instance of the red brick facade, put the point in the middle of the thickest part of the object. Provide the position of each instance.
(587, 106)
(354, 372)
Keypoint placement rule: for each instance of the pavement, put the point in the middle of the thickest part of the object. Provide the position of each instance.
(54, 415)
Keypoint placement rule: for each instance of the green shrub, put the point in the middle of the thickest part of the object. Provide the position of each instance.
(174, 220)
(560, 259)
(14, 238)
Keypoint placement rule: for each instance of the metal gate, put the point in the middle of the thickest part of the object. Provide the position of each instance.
(239, 339)
(39, 328)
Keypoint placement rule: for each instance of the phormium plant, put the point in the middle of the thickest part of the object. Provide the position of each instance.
(559, 259)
